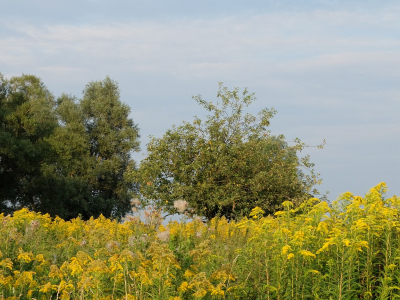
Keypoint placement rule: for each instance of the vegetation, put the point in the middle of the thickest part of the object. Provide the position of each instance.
(347, 250)
(70, 157)
(66, 157)
(227, 164)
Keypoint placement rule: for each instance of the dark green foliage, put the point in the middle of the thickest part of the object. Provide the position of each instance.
(226, 165)
(26, 119)
(66, 157)
(112, 136)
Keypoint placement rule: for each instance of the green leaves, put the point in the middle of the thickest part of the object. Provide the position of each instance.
(26, 119)
(225, 165)
(67, 157)
(72, 156)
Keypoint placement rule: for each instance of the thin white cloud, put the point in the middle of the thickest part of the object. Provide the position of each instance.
(303, 55)
(209, 41)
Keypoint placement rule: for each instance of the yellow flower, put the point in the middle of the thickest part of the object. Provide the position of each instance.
(217, 291)
(55, 272)
(40, 258)
(188, 273)
(361, 225)
(307, 253)
(285, 249)
(65, 295)
(322, 227)
(25, 257)
(326, 245)
(144, 277)
(45, 288)
(361, 244)
(30, 292)
(256, 212)
(6, 263)
(308, 220)
(183, 287)
(290, 256)
(298, 237)
(200, 293)
(287, 204)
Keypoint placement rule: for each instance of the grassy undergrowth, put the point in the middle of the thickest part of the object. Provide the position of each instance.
(347, 250)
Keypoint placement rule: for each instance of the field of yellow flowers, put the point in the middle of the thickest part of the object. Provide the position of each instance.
(347, 250)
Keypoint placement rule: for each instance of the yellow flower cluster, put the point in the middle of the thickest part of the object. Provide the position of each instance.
(349, 249)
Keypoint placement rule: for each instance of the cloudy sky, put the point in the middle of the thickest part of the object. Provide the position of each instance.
(330, 68)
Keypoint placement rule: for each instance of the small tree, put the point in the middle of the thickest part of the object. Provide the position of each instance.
(227, 164)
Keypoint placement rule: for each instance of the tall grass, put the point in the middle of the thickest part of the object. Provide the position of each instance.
(347, 250)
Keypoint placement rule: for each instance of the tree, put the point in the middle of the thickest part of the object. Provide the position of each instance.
(112, 136)
(93, 146)
(26, 119)
(225, 165)
(67, 174)
(67, 157)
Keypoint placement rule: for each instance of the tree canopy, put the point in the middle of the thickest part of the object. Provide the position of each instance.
(227, 164)
(26, 119)
(66, 157)
(70, 156)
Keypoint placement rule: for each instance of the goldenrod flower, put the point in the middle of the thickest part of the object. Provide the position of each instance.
(183, 287)
(286, 249)
(256, 212)
(188, 273)
(217, 291)
(307, 253)
(25, 257)
(361, 244)
(200, 293)
(290, 256)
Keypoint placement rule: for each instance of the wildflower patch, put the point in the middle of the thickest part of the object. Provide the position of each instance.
(349, 249)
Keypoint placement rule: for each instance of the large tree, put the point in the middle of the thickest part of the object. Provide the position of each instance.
(93, 145)
(67, 157)
(67, 181)
(112, 137)
(227, 164)
(26, 119)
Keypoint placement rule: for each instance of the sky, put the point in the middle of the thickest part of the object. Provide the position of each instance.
(330, 68)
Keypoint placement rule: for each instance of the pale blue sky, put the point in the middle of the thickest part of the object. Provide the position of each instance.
(330, 68)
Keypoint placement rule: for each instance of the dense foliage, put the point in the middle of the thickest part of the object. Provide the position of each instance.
(66, 157)
(347, 250)
(227, 164)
